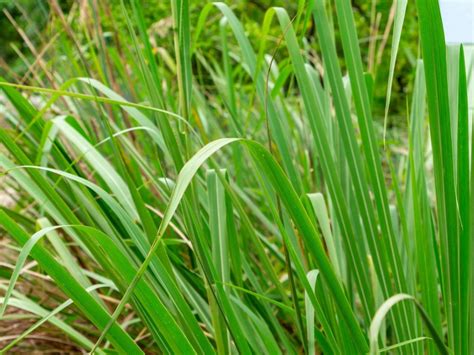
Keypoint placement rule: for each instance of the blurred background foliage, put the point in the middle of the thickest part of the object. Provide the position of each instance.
(36, 21)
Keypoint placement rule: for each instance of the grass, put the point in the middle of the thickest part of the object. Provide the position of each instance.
(243, 200)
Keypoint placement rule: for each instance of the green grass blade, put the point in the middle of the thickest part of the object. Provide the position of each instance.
(434, 58)
(317, 122)
(86, 303)
(220, 252)
(463, 189)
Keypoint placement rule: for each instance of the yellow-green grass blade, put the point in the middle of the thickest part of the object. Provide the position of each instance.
(400, 11)
(383, 311)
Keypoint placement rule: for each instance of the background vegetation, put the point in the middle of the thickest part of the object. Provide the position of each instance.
(372, 21)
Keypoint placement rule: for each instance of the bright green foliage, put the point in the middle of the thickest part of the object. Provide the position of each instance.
(240, 200)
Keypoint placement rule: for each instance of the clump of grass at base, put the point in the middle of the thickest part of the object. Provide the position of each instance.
(181, 202)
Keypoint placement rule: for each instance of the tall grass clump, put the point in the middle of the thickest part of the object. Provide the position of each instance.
(201, 190)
